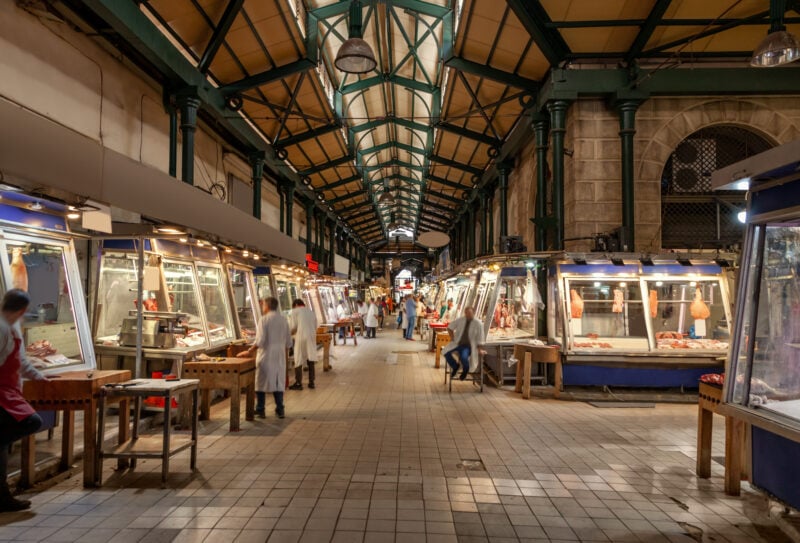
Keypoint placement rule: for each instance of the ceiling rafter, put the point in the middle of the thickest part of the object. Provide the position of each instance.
(646, 31)
(218, 36)
(535, 20)
(346, 159)
(454, 164)
(469, 134)
(499, 76)
(310, 135)
(268, 76)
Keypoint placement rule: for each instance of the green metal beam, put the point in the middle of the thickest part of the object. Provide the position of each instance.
(468, 67)
(390, 163)
(535, 20)
(453, 164)
(391, 145)
(448, 183)
(443, 196)
(340, 8)
(704, 34)
(341, 183)
(218, 36)
(440, 207)
(344, 197)
(346, 159)
(353, 207)
(386, 78)
(380, 122)
(268, 76)
(311, 134)
(469, 134)
(646, 32)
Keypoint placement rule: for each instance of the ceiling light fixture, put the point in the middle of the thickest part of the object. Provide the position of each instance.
(779, 47)
(170, 230)
(35, 206)
(73, 215)
(355, 56)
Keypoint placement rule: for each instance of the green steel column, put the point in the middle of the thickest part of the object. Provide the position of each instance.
(173, 139)
(332, 245)
(309, 228)
(470, 232)
(503, 170)
(464, 239)
(483, 212)
(627, 129)
(189, 103)
(257, 163)
(490, 235)
(289, 196)
(280, 208)
(540, 128)
(558, 122)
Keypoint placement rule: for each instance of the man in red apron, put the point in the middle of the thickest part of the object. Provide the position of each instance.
(17, 418)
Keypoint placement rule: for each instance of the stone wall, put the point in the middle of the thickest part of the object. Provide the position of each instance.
(592, 186)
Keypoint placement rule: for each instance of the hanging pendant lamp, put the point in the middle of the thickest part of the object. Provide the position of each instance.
(779, 47)
(355, 56)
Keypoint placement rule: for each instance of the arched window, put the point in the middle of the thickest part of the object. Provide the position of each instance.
(692, 216)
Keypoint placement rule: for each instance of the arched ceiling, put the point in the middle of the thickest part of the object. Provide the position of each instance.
(454, 80)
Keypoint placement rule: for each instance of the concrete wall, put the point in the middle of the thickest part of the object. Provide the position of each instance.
(78, 82)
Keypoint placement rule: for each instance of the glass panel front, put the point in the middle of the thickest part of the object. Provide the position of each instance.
(606, 313)
(774, 383)
(514, 313)
(243, 302)
(328, 301)
(263, 287)
(116, 295)
(284, 295)
(49, 332)
(688, 314)
(184, 298)
(215, 302)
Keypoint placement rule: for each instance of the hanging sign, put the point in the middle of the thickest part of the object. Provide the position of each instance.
(311, 264)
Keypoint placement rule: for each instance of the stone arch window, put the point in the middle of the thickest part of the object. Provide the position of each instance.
(692, 216)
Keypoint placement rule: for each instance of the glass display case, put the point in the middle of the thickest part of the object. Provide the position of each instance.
(245, 301)
(184, 299)
(214, 294)
(665, 315)
(55, 329)
(509, 305)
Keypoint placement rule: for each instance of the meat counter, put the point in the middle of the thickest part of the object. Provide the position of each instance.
(762, 379)
(39, 257)
(629, 320)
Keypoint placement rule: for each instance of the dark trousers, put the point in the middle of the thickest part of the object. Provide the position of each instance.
(298, 373)
(370, 332)
(464, 352)
(11, 430)
(261, 401)
(342, 331)
(410, 330)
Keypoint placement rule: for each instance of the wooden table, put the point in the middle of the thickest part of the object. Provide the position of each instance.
(232, 374)
(527, 355)
(69, 392)
(151, 446)
(324, 339)
(347, 324)
(442, 339)
(709, 398)
(436, 327)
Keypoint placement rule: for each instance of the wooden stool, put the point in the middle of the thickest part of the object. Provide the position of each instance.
(527, 355)
(709, 398)
(442, 339)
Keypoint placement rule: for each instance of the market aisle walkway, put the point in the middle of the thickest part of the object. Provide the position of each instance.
(375, 454)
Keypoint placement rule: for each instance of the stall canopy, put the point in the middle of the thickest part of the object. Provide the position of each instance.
(81, 167)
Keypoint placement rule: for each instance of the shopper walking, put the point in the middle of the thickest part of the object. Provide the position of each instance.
(410, 317)
(371, 318)
(273, 340)
(303, 326)
(17, 418)
(466, 336)
(381, 311)
(342, 314)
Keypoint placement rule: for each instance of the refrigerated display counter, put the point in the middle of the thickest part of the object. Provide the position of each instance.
(39, 256)
(627, 320)
(186, 307)
(244, 297)
(762, 378)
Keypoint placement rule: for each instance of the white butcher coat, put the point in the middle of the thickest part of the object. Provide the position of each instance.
(476, 339)
(272, 340)
(371, 318)
(303, 323)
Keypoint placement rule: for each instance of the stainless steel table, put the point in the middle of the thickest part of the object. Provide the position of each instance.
(150, 446)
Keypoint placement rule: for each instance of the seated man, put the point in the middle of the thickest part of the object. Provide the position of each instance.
(466, 335)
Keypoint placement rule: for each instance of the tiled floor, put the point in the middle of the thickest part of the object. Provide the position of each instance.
(373, 454)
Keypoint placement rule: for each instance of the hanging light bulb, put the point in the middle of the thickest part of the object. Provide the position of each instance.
(386, 198)
(355, 56)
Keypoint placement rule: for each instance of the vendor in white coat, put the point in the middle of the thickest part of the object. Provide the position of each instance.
(273, 340)
(303, 325)
(371, 318)
(466, 336)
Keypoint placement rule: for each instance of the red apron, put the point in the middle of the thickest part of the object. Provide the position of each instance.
(11, 398)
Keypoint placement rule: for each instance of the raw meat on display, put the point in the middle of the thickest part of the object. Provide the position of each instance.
(619, 301)
(575, 304)
(699, 309)
(19, 273)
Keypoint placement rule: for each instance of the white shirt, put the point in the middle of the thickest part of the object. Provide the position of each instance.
(303, 324)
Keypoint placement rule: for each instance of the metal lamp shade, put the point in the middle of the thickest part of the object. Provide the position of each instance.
(355, 56)
(778, 48)
(386, 198)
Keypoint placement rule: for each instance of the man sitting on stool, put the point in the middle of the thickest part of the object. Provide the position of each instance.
(466, 334)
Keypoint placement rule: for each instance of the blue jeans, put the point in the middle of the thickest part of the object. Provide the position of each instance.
(410, 330)
(12, 430)
(464, 352)
(261, 401)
